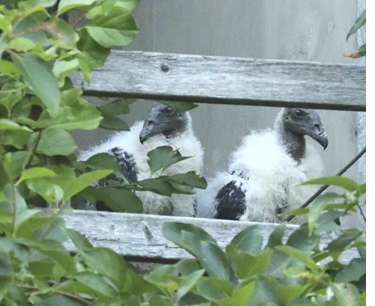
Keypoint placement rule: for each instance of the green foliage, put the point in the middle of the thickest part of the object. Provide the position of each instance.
(360, 22)
(39, 105)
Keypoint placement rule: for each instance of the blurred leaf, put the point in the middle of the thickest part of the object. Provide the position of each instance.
(297, 254)
(83, 181)
(4, 41)
(56, 142)
(353, 272)
(115, 28)
(113, 123)
(63, 32)
(96, 283)
(247, 265)
(79, 240)
(295, 212)
(59, 300)
(63, 68)
(361, 20)
(264, 292)
(6, 124)
(39, 77)
(14, 138)
(35, 172)
(107, 263)
(66, 5)
(118, 199)
(214, 260)
(85, 65)
(360, 52)
(288, 293)
(344, 240)
(188, 283)
(249, 240)
(163, 157)
(302, 240)
(117, 107)
(316, 208)
(214, 289)
(276, 236)
(191, 179)
(53, 250)
(173, 231)
(346, 294)
(181, 106)
(31, 28)
(12, 92)
(103, 161)
(340, 181)
(9, 69)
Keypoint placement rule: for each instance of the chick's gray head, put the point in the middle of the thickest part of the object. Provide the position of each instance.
(305, 122)
(163, 119)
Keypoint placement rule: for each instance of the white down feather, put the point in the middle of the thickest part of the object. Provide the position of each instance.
(186, 143)
(269, 177)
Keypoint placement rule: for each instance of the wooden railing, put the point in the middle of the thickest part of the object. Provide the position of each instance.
(207, 79)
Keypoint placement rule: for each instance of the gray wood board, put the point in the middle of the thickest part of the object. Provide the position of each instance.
(138, 237)
(228, 80)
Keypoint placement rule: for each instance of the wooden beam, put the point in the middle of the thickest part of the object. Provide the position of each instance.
(228, 80)
(138, 237)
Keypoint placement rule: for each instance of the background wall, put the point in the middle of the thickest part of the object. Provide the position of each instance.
(309, 30)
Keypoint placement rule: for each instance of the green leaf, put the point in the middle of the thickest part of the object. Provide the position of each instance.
(14, 138)
(300, 256)
(181, 106)
(59, 300)
(316, 208)
(113, 123)
(85, 65)
(9, 69)
(96, 283)
(6, 124)
(188, 283)
(66, 5)
(160, 186)
(173, 231)
(214, 260)
(103, 161)
(163, 157)
(247, 265)
(107, 263)
(264, 292)
(288, 293)
(31, 28)
(190, 179)
(117, 107)
(346, 294)
(83, 181)
(79, 114)
(301, 239)
(4, 41)
(63, 68)
(64, 32)
(214, 289)
(361, 20)
(35, 172)
(353, 272)
(276, 236)
(249, 240)
(38, 75)
(53, 250)
(340, 181)
(95, 53)
(56, 142)
(118, 199)
(79, 240)
(115, 28)
(344, 240)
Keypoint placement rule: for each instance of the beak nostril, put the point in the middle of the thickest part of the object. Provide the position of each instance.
(318, 128)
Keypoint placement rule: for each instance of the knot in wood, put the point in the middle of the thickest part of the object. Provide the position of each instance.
(165, 68)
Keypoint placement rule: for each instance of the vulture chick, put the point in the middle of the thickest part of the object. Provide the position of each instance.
(164, 126)
(265, 171)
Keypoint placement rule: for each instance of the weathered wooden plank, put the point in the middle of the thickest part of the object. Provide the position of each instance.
(228, 80)
(138, 237)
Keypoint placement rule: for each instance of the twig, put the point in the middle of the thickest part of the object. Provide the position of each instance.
(321, 189)
(361, 211)
(32, 153)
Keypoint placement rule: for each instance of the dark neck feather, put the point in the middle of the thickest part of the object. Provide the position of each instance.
(295, 144)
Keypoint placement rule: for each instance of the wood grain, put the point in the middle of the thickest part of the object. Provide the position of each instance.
(228, 80)
(138, 237)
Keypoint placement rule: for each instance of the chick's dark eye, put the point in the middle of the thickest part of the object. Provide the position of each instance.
(168, 110)
(299, 113)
